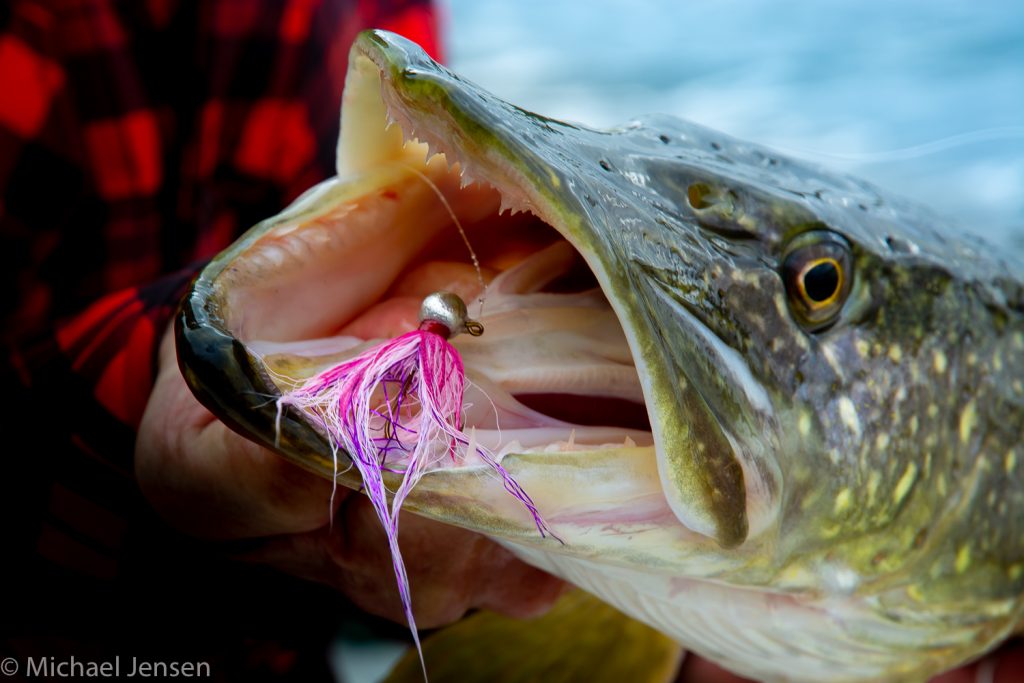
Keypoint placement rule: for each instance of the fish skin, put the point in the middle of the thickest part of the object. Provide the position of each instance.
(884, 451)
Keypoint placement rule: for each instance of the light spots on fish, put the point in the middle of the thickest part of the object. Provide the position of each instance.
(874, 479)
(1014, 571)
(904, 484)
(749, 277)
(795, 575)
(939, 361)
(915, 372)
(843, 500)
(831, 531)
(963, 559)
(895, 353)
(804, 424)
(1010, 461)
(834, 361)
(968, 420)
(840, 579)
(881, 442)
(848, 414)
(781, 307)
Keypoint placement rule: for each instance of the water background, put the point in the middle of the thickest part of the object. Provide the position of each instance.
(925, 99)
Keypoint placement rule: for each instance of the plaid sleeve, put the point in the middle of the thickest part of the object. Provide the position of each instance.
(146, 136)
(137, 139)
(110, 348)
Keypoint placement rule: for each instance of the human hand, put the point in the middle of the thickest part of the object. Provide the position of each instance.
(208, 481)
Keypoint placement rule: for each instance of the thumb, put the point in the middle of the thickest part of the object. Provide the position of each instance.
(207, 480)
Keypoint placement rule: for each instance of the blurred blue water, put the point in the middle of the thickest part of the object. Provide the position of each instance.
(923, 98)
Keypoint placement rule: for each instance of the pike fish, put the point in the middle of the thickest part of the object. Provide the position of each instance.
(767, 409)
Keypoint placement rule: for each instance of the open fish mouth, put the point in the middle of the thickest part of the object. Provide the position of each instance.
(425, 191)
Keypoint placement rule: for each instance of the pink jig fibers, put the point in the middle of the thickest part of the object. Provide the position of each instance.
(367, 406)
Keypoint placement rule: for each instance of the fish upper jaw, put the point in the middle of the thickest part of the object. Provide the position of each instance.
(719, 482)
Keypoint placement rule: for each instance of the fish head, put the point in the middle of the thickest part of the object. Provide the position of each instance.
(816, 428)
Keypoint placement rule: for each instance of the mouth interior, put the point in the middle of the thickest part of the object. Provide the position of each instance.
(552, 371)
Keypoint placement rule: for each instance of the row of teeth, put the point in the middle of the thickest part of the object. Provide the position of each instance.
(568, 445)
(453, 158)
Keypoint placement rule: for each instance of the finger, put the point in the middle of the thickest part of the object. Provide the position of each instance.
(211, 482)
(524, 592)
(451, 570)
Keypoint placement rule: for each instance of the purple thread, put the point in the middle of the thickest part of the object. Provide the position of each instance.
(341, 402)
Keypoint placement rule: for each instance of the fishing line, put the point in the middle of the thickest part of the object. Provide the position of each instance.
(462, 233)
(915, 151)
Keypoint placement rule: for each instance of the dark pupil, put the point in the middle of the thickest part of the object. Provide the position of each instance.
(821, 281)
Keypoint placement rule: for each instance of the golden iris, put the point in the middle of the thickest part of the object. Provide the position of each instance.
(817, 272)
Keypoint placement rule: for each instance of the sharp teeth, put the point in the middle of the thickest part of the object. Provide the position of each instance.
(465, 178)
(408, 132)
(629, 443)
(511, 447)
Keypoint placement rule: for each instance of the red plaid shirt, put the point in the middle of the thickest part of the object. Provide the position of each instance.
(137, 139)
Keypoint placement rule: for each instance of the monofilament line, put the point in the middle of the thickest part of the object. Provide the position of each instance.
(462, 233)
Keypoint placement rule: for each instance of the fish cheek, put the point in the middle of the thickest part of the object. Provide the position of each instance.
(700, 474)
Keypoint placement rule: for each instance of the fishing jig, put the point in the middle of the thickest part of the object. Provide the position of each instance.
(397, 408)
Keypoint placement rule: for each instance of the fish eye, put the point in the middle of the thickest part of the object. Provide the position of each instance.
(818, 273)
